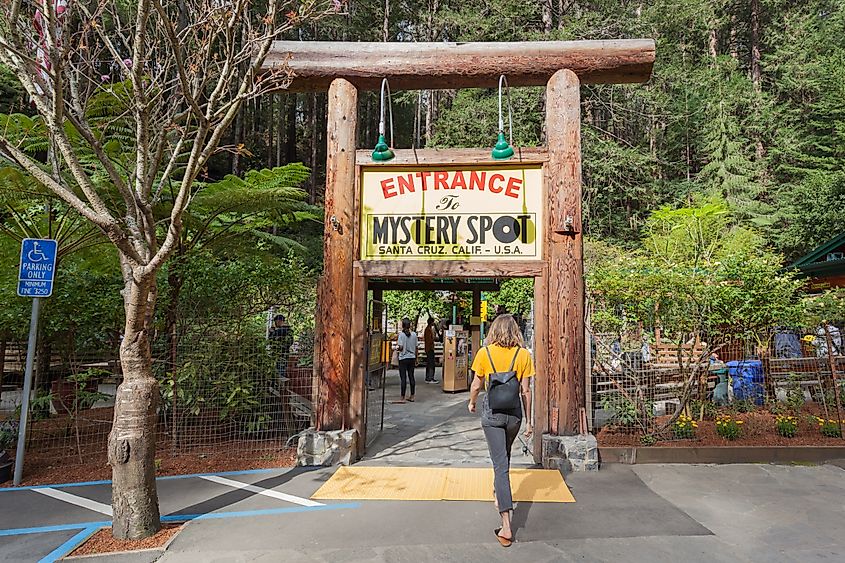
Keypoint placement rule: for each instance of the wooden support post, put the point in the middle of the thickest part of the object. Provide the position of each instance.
(335, 289)
(565, 254)
(475, 330)
(541, 361)
(358, 363)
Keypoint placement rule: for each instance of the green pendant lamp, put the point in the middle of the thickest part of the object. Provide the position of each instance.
(382, 151)
(503, 149)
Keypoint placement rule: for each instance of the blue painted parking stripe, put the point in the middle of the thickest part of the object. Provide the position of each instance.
(181, 518)
(56, 528)
(69, 545)
(163, 478)
(264, 512)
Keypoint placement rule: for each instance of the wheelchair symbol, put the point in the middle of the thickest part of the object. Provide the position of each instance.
(36, 254)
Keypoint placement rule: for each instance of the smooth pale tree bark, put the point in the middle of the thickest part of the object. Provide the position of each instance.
(132, 445)
(178, 108)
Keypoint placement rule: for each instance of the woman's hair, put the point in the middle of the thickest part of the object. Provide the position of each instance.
(504, 332)
(406, 326)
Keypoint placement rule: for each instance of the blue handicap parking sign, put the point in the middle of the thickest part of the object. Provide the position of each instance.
(38, 267)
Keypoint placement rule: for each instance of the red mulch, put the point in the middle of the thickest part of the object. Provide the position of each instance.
(758, 430)
(47, 469)
(103, 542)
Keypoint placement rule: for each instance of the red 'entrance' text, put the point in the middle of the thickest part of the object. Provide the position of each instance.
(491, 181)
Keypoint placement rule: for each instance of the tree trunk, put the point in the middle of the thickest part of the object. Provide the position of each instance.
(546, 6)
(755, 44)
(290, 129)
(3, 343)
(756, 74)
(280, 128)
(386, 24)
(238, 138)
(131, 446)
(712, 43)
(312, 197)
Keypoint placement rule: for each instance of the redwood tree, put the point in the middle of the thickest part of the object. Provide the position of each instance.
(174, 75)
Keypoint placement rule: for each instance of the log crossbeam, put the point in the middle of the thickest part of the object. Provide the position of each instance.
(415, 66)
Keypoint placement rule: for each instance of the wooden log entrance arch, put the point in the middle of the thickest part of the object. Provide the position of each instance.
(557, 268)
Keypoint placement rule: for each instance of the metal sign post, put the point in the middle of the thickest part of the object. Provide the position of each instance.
(35, 279)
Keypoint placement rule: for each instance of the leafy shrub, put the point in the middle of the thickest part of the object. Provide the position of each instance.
(787, 426)
(706, 408)
(623, 411)
(648, 439)
(829, 427)
(728, 427)
(7, 438)
(684, 427)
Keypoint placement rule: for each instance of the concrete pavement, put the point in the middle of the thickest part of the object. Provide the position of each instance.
(647, 513)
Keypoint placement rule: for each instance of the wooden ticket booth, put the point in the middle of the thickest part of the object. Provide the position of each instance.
(537, 192)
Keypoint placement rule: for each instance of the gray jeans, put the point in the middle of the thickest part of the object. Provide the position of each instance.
(500, 430)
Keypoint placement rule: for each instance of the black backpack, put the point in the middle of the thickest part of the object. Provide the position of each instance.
(503, 387)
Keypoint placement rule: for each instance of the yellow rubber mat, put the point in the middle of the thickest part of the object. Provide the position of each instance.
(440, 483)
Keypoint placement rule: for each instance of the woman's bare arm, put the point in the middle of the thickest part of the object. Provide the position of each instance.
(525, 391)
(474, 390)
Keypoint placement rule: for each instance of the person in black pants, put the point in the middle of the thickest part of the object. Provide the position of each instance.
(407, 347)
(504, 347)
(429, 336)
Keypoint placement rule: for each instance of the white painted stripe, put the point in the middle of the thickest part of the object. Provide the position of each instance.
(266, 492)
(73, 499)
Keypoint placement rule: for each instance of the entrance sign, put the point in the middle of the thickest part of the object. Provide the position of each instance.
(443, 212)
(37, 267)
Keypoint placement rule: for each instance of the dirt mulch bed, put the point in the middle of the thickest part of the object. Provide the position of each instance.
(103, 542)
(758, 430)
(47, 468)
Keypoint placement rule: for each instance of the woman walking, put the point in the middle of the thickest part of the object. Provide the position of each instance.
(508, 397)
(407, 347)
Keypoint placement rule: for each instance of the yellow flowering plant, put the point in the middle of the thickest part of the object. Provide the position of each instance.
(728, 427)
(684, 427)
(829, 427)
(786, 425)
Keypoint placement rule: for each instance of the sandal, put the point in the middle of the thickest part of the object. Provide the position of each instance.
(504, 542)
(411, 399)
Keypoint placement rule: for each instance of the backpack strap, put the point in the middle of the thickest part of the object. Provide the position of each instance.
(513, 361)
(489, 357)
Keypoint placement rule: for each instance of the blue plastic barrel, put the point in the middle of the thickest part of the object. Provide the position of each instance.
(748, 381)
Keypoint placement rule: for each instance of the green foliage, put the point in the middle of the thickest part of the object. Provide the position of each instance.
(696, 273)
(824, 307)
(7, 437)
(703, 408)
(648, 439)
(515, 294)
(794, 393)
(830, 427)
(12, 96)
(622, 410)
(417, 305)
(786, 426)
(684, 427)
(728, 427)
(230, 381)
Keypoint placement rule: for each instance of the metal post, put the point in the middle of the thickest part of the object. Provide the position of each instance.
(27, 389)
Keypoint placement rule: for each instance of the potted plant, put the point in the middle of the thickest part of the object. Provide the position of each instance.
(7, 438)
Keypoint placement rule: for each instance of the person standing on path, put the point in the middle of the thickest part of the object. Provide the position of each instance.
(407, 347)
(508, 396)
(429, 337)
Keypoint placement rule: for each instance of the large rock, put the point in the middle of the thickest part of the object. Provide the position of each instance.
(571, 453)
(327, 448)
